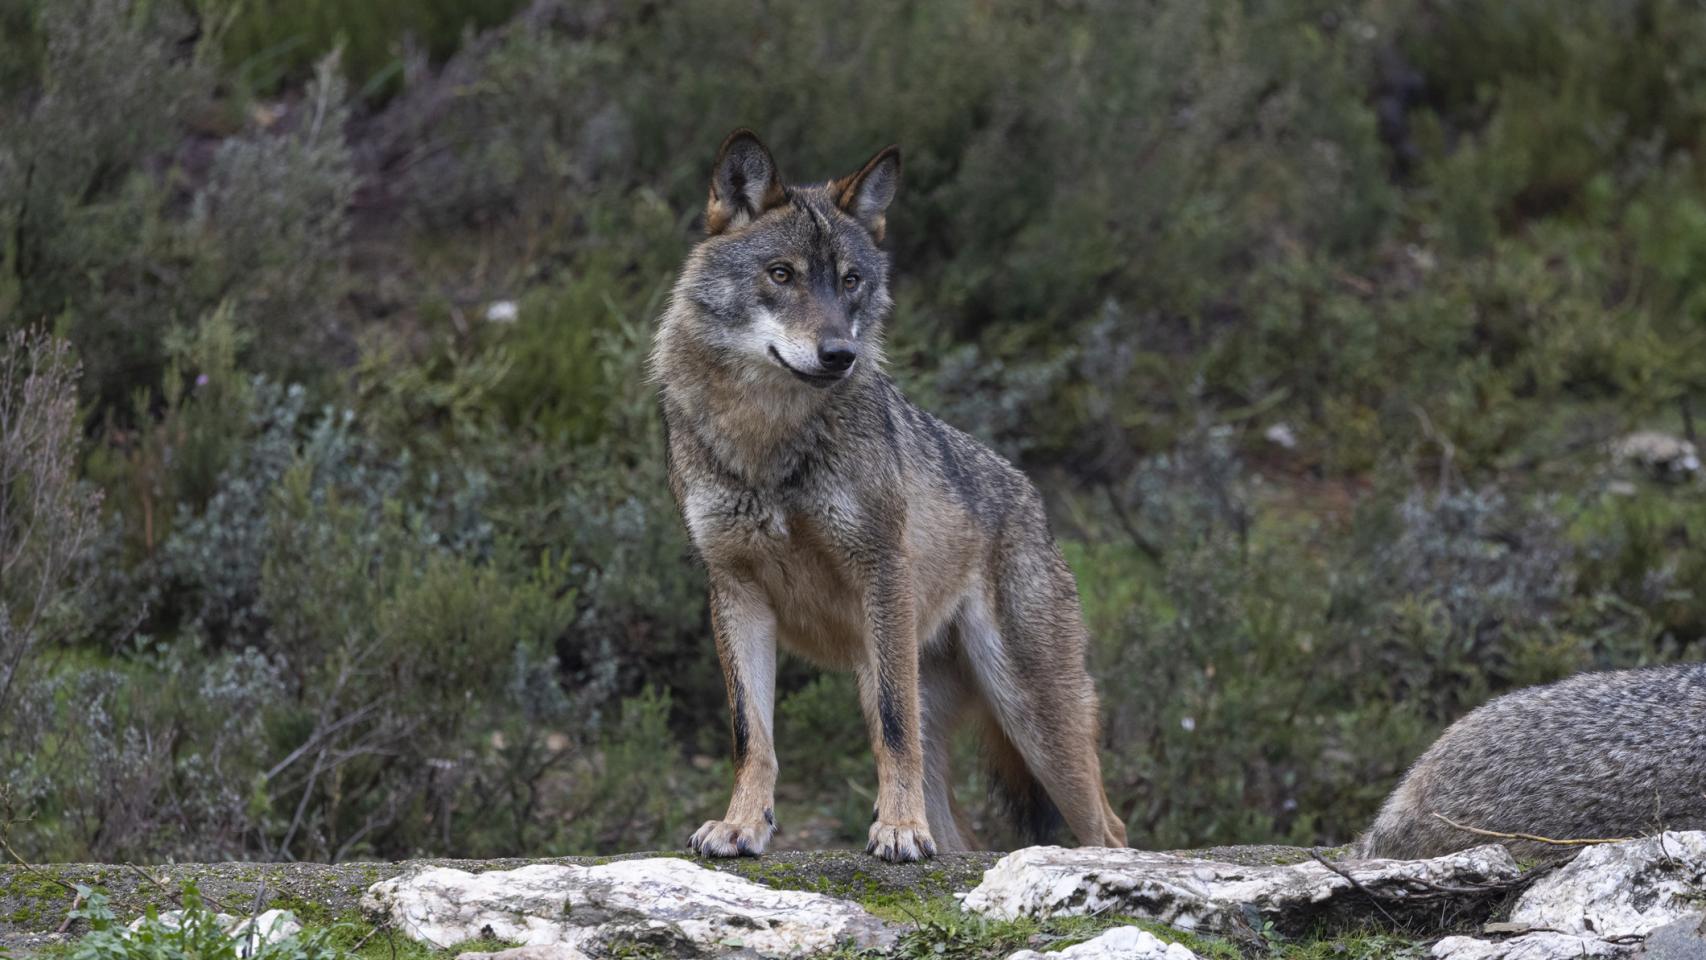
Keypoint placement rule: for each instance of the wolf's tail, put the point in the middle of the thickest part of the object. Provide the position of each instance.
(1026, 805)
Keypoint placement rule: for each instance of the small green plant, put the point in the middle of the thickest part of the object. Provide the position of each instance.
(193, 933)
(940, 929)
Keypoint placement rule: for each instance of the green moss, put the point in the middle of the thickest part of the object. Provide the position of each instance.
(909, 908)
(352, 932)
(29, 897)
(308, 912)
(1203, 946)
(940, 928)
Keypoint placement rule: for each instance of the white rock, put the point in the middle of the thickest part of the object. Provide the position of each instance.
(1661, 454)
(1195, 894)
(1621, 889)
(1602, 902)
(671, 904)
(268, 927)
(502, 311)
(549, 951)
(1541, 945)
(1281, 435)
(1120, 943)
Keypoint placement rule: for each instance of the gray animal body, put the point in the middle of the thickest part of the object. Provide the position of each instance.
(1598, 755)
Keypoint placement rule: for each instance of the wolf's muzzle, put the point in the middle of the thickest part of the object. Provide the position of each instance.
(817, 378)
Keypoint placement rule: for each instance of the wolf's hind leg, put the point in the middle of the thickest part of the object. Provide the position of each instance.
(1029, 665)
(944, 691)
(745, 629)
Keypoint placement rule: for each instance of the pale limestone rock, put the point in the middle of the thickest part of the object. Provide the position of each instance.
(548, 951)
(670, 904)
(1541, 945)
(1618, 889)
(1195, 894)
(1661, 454)
(1604, 903)
(1120, 943)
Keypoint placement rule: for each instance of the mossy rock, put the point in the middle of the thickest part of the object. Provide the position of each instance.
(34, 901)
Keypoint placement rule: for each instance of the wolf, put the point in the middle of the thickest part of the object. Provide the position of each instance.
(1598, 755)
(838, 521)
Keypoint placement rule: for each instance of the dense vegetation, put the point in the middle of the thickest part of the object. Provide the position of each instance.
(1313, 319)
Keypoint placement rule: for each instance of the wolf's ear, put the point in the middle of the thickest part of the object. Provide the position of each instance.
(744, 183)
(866, 194)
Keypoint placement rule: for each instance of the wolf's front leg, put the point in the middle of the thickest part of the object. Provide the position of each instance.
(745, 628)
(888, 689)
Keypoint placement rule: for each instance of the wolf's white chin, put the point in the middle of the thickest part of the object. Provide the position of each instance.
(806, 370)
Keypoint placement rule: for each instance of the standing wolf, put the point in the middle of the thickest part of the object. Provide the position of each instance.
(843, 523)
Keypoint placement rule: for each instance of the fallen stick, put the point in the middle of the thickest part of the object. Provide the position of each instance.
(1584, 842)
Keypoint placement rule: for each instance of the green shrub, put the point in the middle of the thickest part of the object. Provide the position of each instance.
(74, 203)
(121, 760)
(271, 228)
(99, 241)
(267, 42)
(1266, 680)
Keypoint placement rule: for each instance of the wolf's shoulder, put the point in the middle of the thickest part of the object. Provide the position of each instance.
(980, 477)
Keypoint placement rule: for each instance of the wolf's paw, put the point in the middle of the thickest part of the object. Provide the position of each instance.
(726, 838)
(900, 842)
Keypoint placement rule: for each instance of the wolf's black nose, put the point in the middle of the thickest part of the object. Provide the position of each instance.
(836, 355)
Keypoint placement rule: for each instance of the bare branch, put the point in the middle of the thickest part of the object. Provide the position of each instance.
(47, 518)
(1583, 842)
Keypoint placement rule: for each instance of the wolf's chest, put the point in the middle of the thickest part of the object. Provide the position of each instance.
(793, 551)
(722, 521)
(745, 526)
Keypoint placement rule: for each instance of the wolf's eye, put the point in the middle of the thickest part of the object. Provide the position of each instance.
(850, 282)
(781, 274)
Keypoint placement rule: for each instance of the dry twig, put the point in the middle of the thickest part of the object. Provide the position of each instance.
(76, 901)
(1583, 842)
(174, 896)
(1354, 882)
(31, 868)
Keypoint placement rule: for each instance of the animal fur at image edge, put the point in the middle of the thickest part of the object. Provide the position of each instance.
(1596, 756)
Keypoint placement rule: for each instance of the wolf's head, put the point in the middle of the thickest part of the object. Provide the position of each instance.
(790, 284)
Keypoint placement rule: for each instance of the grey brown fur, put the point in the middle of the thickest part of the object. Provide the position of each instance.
(837, 520)
(1598, 755)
